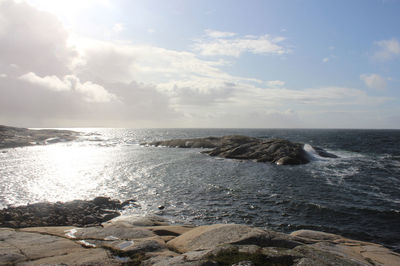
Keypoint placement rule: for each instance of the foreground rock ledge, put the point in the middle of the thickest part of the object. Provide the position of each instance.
(279, 151)
(153, 241)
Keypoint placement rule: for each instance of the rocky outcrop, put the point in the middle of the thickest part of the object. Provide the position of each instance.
(279, 151)
(132, 241)
(11, 137)
(77, 213)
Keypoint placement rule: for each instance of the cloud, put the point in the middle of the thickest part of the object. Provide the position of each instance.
(275, 83)
(388, 49)
(70, 80)
(325, 60)
(118, 27)
(219, 46)
(219, 34)
(33, 39)
(373, 81)
(3, 75)
(92, 92)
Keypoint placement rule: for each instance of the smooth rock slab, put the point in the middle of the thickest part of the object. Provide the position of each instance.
(112, 233)
(356, 251)
(60, 231)
(131, 247)
(169, 230)
(136, 221)
(95, 256)
(210, 236)
(26, 248)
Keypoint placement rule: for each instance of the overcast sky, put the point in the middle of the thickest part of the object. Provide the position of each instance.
(183, 63)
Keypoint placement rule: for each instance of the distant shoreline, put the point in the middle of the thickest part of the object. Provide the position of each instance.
(13, 137)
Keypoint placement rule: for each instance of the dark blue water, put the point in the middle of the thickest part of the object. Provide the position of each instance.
(356, 195)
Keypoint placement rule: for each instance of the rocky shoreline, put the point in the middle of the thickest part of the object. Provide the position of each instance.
(12, 137)
(153, 240)
(278, 151)
(75, 213)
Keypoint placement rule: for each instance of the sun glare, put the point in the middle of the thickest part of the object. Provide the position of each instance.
(67, 8)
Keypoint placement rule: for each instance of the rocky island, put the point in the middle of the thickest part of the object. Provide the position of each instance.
(279, 151)
(12, 137)
(153, 240)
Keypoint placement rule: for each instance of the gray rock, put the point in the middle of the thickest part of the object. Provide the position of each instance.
(11, 137)
(277, 151)
(112, 232)
(23, 248)
(210, 236)
(133, 221)
(76, 213)
(131, 247)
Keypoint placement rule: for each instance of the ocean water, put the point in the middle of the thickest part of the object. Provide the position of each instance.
(356, 195)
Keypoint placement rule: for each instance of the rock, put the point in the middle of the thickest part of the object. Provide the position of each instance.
(223, 244)
(112, 232)
(26, 248)
(132, 247)
(82, 257)
(60, 231)
(132, 221)
(348, 249)
(279, 151)
(170, 230)
(11, 137)
(76, 213)
(210, 236)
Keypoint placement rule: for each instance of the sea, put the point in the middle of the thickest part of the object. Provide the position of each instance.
(356, 195)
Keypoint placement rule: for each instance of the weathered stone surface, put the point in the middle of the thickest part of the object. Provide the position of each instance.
(210, 236)
(356, 251)
(60, 231)
(205, 245)
(169, 230)
(36, 246)
(315, 236)
(82, 257)
(135, 221)
(278, 151)
(112, 233)
(196, 258)
(131, 247)
(318, 257)
(11, 137)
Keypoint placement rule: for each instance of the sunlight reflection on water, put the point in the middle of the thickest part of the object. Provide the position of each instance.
(60, 172)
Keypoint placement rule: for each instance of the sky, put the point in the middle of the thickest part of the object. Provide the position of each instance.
(200, 64)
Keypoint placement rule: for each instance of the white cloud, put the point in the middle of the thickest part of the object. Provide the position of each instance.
(3, 75)
(33, 40)
(275, 83)
(388, 49)
(118, 27)
(92, 92)
(219, 34)
(325, 60)
(75, 81)
(235, 47)
(374, 81)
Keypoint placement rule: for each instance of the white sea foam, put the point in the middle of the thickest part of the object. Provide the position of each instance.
(312, 154)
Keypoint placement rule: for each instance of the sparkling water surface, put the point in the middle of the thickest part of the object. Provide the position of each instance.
(356, 195)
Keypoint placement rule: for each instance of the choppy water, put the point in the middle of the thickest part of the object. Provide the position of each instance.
(357, 195)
